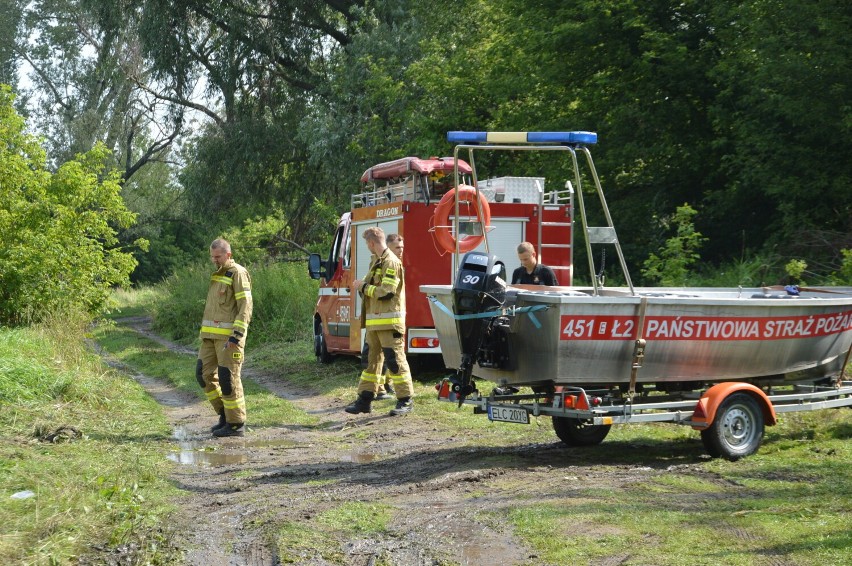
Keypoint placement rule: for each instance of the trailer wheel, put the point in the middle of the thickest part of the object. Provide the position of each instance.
(320, 348)
(577, 432)
(737, 429)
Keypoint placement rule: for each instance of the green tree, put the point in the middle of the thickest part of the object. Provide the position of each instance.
(175, 235)
(783, 114)
(671, 267)
(844, 274)
(88, 82)
(58, 245)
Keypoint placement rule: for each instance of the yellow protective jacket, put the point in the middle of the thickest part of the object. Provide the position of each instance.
(228, 310)
(384, 294)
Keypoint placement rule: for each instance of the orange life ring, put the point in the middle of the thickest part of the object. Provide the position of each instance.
(446, 207)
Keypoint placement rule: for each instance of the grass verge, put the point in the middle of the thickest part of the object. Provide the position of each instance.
(789, 500)
(81, 455)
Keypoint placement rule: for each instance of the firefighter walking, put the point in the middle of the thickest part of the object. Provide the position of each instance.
(227, 314)
(383, 317)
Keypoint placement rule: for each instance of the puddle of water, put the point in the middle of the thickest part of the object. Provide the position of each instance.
(194, 453)
(360, 457)
(206, 458)
(180, 434)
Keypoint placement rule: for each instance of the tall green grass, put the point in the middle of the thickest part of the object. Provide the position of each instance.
(100, 480)
(752, 271)
(283, 295)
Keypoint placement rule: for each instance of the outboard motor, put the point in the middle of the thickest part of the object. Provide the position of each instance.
(480, 288)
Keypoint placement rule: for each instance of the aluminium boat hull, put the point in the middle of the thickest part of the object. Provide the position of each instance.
(571, 337)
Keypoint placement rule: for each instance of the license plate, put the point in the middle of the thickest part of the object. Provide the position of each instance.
(508, 415)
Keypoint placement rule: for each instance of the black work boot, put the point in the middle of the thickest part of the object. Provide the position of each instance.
(222, 422)
(389, 388)
(361, 404)
(231, 429)
(403, 407)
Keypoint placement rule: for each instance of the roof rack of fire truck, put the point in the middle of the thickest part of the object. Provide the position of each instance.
(407, 179)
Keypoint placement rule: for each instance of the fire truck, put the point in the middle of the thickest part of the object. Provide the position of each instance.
(414, 198)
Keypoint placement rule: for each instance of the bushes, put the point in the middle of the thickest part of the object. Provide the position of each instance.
(58, 244)
(680, 252)
(284, 299)
(178, 311)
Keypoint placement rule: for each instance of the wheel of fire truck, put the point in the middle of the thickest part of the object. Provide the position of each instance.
(320, 348)
(578, 432)
(446, 207)
(736, 430)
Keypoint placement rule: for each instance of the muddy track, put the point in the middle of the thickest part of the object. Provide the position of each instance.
(238, 490)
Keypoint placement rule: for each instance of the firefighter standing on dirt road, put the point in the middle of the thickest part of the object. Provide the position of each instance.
(396, 244)
(227, 314)
(383, 316)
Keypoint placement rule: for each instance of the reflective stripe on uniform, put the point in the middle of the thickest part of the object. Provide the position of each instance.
(369, 377)
(381, 321)
(222, 279)
(370, 290)
(214, 394)
(216, 330)
(217, 327)
(389, 280)
(242, 295)
(385, 318)
(240, 324)
(235, 404)
(398, 379)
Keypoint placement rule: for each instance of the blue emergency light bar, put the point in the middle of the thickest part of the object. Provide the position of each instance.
(523, 137)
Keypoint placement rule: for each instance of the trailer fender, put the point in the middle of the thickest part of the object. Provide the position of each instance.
(442, 233)
(705, 409)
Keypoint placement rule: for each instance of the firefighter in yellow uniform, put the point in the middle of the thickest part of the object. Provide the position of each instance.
(397, 245)
(383, 316)
(227, 314)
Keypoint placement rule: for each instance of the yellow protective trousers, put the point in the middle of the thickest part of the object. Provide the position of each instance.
(386, 346)
(217, 370)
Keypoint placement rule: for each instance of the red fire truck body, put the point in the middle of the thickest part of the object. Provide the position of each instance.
(401, 197)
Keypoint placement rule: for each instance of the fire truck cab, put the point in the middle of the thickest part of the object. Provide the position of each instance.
(402, 197)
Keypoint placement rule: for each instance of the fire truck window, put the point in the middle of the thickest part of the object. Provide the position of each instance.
(335, 251)
(347, 257)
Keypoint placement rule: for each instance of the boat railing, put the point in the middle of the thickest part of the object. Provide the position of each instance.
(573, 143)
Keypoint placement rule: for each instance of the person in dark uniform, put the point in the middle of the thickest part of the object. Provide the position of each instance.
(531, 272)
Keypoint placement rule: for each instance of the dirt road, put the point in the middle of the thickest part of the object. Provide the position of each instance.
(239, 491)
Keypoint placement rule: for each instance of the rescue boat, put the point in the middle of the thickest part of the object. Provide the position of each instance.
(628, 337)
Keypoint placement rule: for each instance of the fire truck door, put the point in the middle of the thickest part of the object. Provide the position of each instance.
(340, 309)
(362, 255)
